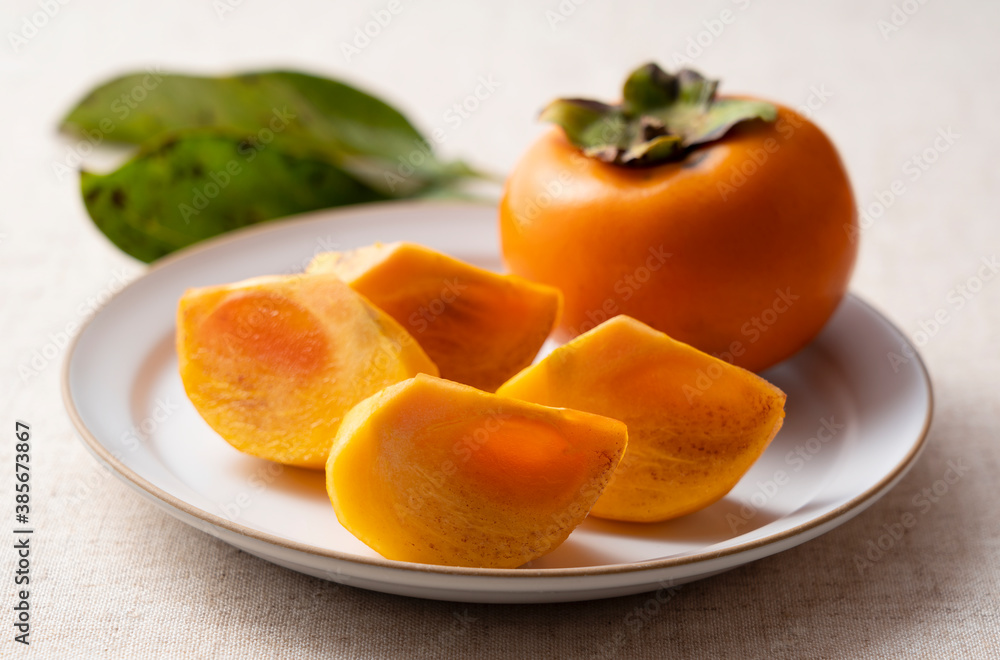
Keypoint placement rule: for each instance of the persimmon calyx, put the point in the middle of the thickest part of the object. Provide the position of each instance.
(662, 117)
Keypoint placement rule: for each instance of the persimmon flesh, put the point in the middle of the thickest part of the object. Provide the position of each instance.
(436, 472)
(696, 424)
(273, 363)
(479, 327)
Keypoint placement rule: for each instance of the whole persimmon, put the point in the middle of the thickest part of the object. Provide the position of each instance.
(727, 223)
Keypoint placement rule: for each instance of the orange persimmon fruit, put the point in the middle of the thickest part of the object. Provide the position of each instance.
(696, 424)
(728, 223)
(273, 363)
(479, 327)
(436, 472)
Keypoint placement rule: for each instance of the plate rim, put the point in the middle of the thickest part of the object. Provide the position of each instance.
(122, 471)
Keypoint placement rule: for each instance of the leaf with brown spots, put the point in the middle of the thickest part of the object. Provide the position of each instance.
(188, 187)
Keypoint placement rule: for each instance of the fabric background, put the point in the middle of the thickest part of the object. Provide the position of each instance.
(115, 577)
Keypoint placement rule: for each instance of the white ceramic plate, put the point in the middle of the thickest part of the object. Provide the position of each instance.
(855, 423)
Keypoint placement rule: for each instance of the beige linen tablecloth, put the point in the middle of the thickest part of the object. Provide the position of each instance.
(115, 577)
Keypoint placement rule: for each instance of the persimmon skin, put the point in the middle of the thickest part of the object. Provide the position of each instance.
(743, 250)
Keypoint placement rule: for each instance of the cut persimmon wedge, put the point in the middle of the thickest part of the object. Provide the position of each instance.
(696, 423)
(436, 472)
(273, 363)
(479, 327)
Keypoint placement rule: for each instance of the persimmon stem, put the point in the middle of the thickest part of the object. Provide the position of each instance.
(662, 117)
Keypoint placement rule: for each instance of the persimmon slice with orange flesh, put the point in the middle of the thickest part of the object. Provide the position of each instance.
(267, 332)
(696, 423)
(273, 363)
(436, 472)
(479, 327)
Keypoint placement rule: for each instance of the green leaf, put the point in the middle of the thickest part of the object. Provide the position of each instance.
(726, 113)
(662, 117)
(185, 187)
(648, 87)
(354, 130)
